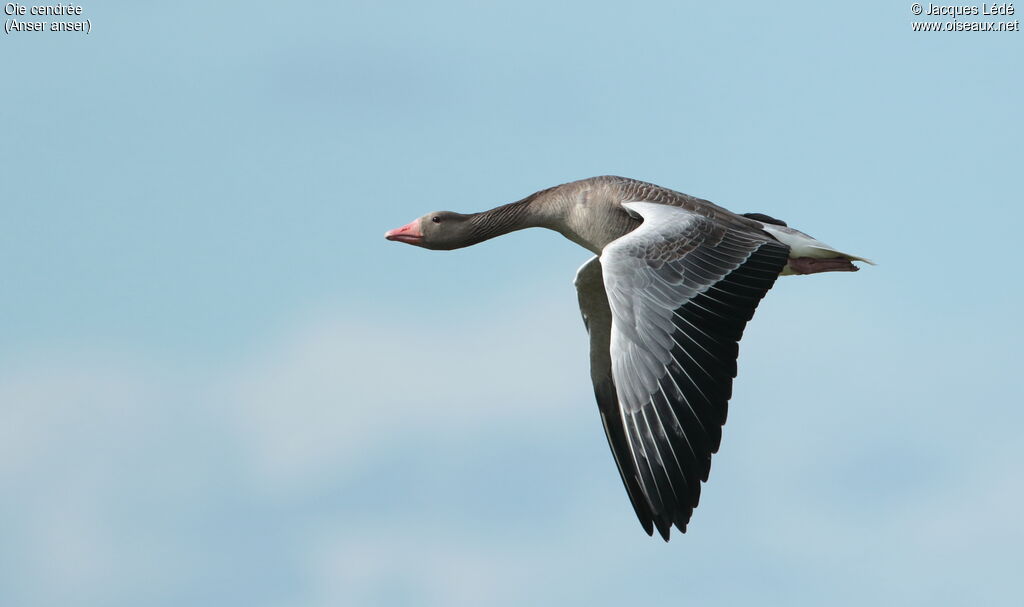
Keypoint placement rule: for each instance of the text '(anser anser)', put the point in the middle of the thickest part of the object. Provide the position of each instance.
(665, 301)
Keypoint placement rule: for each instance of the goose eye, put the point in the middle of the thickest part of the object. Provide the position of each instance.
(435, 219)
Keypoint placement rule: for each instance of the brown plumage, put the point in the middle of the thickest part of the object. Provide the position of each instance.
(665, 304)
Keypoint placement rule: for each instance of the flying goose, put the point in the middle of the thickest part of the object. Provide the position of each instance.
(665, 300)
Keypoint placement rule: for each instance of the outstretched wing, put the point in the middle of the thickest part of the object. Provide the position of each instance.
(666, 306)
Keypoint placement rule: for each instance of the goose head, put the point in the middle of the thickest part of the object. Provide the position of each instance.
(440, 231)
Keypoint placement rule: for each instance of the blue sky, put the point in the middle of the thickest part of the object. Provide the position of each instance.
(220, 385)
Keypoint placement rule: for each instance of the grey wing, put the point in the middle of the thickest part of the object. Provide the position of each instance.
(680, 290)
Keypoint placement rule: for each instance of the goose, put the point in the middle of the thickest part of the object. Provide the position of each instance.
(665, 299)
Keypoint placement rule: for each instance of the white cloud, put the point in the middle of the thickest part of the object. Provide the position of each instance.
(131, 478)
(330, 394)
(79, 438)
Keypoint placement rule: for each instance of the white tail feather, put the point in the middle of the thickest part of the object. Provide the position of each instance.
(802, 245)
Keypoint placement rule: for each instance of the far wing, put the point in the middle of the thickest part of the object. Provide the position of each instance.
(597, 317)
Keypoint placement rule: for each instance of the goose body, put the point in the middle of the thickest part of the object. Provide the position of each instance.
(665, 299)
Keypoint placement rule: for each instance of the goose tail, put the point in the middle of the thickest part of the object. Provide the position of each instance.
(808, 255)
